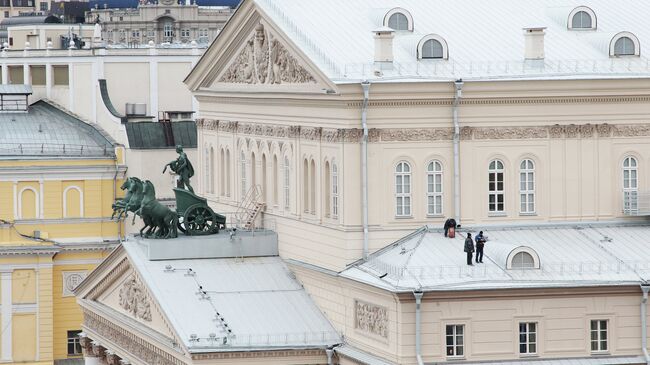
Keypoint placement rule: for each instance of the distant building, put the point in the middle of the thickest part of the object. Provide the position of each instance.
(165, 22)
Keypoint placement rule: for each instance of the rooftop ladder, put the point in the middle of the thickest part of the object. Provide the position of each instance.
(249, 208)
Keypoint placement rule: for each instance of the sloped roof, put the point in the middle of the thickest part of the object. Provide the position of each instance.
(485, 38)
(588, 255)
(257, 299)
(45, 131)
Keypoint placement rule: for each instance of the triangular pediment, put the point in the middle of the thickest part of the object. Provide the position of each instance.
(118, 289)
(252, 53)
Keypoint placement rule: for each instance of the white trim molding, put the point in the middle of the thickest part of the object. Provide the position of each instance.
(72, 279)
(65, 201)
(526, 249)
(403, 11)
(36, 202)
(6, 318)
(589, 11)
(436, 37)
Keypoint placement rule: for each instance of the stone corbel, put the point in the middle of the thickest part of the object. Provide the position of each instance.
(98, 350)
(112, 358)
(86, 345)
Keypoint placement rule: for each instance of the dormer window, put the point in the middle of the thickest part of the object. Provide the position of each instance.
(624, 44)
(523, 258)
(432, 47)
(399, 19)
(582, 18)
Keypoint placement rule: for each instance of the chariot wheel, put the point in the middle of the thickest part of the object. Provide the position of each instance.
(198, 220)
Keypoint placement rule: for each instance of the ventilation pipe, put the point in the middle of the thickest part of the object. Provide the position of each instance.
(364, 165)
(644, 323)
(418, 326)
(384, 47)
(534, 43)
(458, 85)
(329, 352)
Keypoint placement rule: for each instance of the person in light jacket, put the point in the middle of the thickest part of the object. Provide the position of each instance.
(469, 248)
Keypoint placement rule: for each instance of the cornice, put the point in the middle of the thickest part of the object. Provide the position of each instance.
(354, 135)
(109, 279)
(258, 354)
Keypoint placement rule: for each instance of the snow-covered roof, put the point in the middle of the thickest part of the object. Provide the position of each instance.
(485, 38)
(587, 255)
(243, 303)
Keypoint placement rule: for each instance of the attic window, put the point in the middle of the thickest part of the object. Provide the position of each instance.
(624, 44)
(523, 258)
(582, 18)
(399, 19)
(432, 47)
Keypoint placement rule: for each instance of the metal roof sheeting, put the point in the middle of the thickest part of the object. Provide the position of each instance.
(485, 38)
(258, 299)
(569, 256)
(602, 360)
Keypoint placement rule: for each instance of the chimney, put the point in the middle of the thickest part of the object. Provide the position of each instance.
(534, 37)
(384, 46)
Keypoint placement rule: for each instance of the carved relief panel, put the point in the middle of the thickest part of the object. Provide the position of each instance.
(371, 318)
(134, 299)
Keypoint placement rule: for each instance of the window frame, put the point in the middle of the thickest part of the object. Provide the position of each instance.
(527, 195)
(403, 199)
(75, 341)
(599, 341)
(439, 39)
(527, 343)
(618, 37)
(335, 190)
(242, 173)
(627, 168)
(402, 11)
(287, 183)
(586, 10)
(431, 184)
(496, 192)
(454, 336)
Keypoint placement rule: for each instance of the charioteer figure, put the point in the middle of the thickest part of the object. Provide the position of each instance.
(183, 168)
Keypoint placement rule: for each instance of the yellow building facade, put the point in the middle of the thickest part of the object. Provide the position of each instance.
(58, 178)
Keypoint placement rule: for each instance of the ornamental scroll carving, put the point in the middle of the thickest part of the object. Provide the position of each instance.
(134, 299)
(371, 318)
(264, 60)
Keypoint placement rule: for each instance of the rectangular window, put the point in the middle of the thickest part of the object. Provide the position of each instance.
(60, 75)
(434, 188)
(599, 335)
(528, 338)
(43, 6)
(168, 30)
(6, 14)
(74, 346)
(496, 192)
(335, 191)
(455, 340)
(185, 33)
(135, 34)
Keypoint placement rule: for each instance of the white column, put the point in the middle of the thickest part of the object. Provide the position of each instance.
(5, 322)
(195, 103)
(153, 87)
(94, 85)
(26, 78)
(48, 80)
(70, 87)
(90, 360)
(5, 74)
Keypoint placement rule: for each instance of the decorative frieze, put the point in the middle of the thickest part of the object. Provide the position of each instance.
(355, 135)
(134, 299)
(371, 318)
(265, 60)
(258, 354)
(71, 279)
(128, 341)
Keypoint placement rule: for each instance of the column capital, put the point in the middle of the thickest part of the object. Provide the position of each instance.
(86, 345)
(98, 350)
(112, 358)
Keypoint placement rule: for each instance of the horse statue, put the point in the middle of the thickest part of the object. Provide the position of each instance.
(162, 221)
(132, 199)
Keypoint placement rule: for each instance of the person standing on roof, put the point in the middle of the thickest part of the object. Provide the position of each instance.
(480, 243)
(469, 248)
(449, 223)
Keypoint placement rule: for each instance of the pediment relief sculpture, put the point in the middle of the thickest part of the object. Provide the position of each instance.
(264, 60)
(134, 299)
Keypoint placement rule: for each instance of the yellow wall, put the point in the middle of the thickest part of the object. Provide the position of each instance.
(23, 286)
(24, 333)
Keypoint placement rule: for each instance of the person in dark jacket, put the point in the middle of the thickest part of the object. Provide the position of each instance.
(449, 223)
(480, 243)
(469, 248)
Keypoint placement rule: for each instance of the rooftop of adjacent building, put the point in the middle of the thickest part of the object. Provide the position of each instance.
(45, 130)
(478, 40)
(539, 256)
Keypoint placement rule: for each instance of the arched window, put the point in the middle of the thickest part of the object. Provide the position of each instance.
(253, 169)
(432, 49)
(73, 204)
(264, 184)
(581, 20)
(398, 21)
(28, 204)
(287, 180)
(434, 188)
(222, 173)
(312, 187)
(403, 189)
(326, 189)
(527, 186)
(432, 46)
(624, 46)
(335, 190)
(228, 176)
(276, 183)
(630, 185)
(305, 185)
(523, 260)
(212, 170)
(496, 191)
(243, 174)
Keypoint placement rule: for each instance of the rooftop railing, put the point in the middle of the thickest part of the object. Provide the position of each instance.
(264, 340)
(636, 203)
(53, 149)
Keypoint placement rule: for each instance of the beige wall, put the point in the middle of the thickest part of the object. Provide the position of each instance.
(171, 91)
(39, 35)
(131, 89)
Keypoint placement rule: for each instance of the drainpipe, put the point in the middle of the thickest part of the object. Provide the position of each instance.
(329, 352)
(418, 327)
(458, 86)
(364, 165)
(644, 325)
